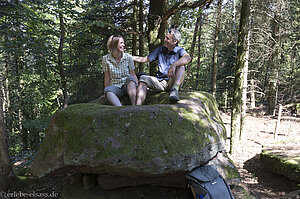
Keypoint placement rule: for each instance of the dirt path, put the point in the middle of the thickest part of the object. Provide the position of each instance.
(257, 179)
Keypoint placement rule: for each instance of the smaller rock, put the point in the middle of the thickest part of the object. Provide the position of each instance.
(75, 177)
(108, 182)
(283, 158)
(89, 181)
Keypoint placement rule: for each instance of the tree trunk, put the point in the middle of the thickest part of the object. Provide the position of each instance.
(293, 89)
(238, 81)
(234, 16)
(252, 92)
(6, 173)
(215, 50)
(156, 28)
(189, 75)
(141, 35)
(226, 96)
(273, 78)
(244, 90)
(5, 87)
(134, 27)
(277, 127)
(199, 56)
(60, 55)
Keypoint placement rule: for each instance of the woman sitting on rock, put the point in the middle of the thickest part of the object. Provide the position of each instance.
(119, 75)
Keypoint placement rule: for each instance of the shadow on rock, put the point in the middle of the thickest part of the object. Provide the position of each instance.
(77, 191)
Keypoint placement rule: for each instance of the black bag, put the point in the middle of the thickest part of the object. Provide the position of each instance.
(206, 182)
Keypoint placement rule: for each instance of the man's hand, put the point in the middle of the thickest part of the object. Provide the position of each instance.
(141, 59)
(185, 59)
(171, 71)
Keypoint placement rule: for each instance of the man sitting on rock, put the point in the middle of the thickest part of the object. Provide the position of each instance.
(171, 68)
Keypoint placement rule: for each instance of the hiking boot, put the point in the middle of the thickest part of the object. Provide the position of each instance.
(173, 97)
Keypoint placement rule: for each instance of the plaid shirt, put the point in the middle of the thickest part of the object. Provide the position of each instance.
(117, 73)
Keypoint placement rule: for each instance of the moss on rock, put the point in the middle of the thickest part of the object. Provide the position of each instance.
(283, 158)
(153, 139)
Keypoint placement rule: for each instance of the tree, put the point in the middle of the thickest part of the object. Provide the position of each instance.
(192, 49)
(199, 52)
(293, 76)
(215, 50)
(60, 54)
(141, 35)
(244, 88)
(7, 176)
(238, 81)
(156, 27)
(271, 51)
(134, 27)
(272, 80)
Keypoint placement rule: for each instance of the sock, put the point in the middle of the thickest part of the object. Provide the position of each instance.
(176, 86)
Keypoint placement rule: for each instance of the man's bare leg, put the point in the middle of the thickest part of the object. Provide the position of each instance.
(177, 81)
(179, 76)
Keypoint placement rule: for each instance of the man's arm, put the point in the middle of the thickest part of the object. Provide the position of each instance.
(141, 59)
(185, 59)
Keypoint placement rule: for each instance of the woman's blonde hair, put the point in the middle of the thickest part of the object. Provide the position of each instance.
(112, 43)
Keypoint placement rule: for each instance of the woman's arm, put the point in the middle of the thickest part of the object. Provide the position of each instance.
(132, 73)
(106, 79)
(141, 59)
(105, 68)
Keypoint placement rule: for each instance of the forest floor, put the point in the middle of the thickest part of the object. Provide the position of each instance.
(257, 180)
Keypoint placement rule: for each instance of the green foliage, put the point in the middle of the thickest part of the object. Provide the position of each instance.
(28, 75)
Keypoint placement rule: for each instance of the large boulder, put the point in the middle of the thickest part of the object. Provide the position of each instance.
(152, 141)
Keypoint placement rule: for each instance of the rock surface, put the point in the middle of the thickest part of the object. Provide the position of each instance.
(157, 140)
(283, 158)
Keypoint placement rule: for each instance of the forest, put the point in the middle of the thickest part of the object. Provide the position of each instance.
(244, 52)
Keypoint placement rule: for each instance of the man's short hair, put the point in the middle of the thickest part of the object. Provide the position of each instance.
(176, 34)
